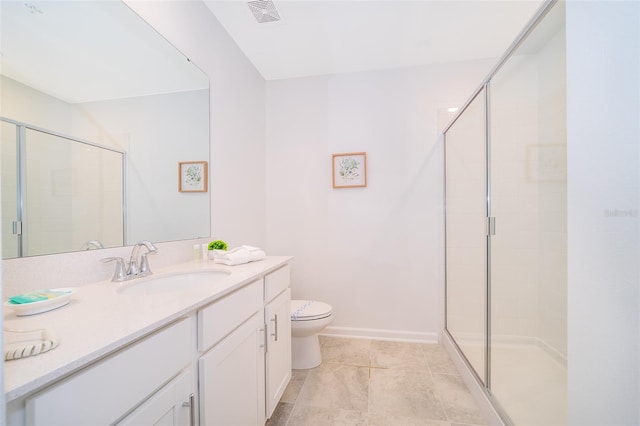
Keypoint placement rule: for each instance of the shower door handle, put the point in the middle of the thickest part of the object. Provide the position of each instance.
(16, 226)
(491, 226)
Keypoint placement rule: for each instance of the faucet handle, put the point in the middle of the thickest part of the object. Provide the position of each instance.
(119, 274)
(144, 264)
(132, 268)
(143, 268)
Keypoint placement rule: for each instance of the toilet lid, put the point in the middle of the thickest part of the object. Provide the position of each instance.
(309, 309)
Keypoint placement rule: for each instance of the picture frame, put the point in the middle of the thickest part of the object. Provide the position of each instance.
(193, 176)
(349, 170)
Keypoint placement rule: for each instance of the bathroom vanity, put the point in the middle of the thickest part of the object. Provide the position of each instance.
(150, 352)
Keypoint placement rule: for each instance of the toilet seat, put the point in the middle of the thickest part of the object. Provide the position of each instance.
(307, 310)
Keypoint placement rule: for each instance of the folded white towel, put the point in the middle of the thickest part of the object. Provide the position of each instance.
(240, 255)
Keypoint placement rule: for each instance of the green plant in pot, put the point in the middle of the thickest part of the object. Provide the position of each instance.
(216, 248)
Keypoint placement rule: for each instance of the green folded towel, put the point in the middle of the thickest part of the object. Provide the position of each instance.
(36, 296)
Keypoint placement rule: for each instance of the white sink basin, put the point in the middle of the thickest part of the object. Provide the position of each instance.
(176, 282)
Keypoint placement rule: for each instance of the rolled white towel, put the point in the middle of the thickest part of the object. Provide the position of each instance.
(240, 255)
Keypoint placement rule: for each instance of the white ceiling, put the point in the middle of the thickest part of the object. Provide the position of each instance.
(82, 51)
(336, 36)
(71, 49)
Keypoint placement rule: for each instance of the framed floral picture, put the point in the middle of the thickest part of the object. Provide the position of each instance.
(192, 176)
(349, 170)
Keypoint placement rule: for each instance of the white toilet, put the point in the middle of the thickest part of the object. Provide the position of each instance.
(308, 318)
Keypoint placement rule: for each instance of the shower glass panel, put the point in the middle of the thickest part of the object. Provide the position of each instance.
(528, 256)
(465, 189)
(68, 182)
(59, 194)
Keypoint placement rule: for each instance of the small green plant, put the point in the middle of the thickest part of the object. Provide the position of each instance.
(217, 245)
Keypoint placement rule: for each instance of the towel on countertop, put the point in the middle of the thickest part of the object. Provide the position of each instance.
(240, 255)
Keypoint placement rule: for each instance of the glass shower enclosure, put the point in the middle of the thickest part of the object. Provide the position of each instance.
(506, 228)
(59, 193)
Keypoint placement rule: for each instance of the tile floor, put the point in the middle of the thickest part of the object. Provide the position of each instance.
(377, 383)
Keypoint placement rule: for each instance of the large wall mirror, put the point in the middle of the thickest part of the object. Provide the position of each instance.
(97, 111)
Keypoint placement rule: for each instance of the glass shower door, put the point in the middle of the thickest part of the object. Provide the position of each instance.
(74, 194)
(466, 240)
(59, 194)
(528, 315)
(506, 228)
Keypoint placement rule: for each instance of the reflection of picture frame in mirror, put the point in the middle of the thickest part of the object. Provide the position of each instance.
(192, 176)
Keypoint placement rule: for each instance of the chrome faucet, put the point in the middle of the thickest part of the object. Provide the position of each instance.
(141, 267)
(92, 244)
(134, 268)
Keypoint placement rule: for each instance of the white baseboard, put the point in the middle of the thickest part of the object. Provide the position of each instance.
(377, 334)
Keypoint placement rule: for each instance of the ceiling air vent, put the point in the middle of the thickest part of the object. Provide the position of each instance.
(264, 11)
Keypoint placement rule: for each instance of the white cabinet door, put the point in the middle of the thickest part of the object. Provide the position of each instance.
(172, 405)
(278, 356)
(103, 392)
(230, 385)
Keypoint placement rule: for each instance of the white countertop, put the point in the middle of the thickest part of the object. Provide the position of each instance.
(100, 320)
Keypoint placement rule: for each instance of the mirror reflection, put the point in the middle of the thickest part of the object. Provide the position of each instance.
(97, 112)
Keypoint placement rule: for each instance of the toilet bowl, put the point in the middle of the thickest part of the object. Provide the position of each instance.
(308, 318)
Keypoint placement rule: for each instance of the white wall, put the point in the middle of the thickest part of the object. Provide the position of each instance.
(603, 104)
(24, 103)
(237, 175)
(374, 253)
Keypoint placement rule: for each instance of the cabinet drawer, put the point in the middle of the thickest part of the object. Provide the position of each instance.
(223, 316)
(103, 392)
(276, 282)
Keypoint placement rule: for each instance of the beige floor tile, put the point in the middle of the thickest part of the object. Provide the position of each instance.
(439, 360)
(404, 393)
(318, 416)
(292, 391)
(378, 383)
(457, 400)
(398, 355)
(281, 414)
(382, 420)
(303, 415)
(336, 386)
(352, 418)
(345, 351)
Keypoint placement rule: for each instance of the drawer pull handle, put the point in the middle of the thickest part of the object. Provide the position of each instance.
(275, 333)
(192, 409)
